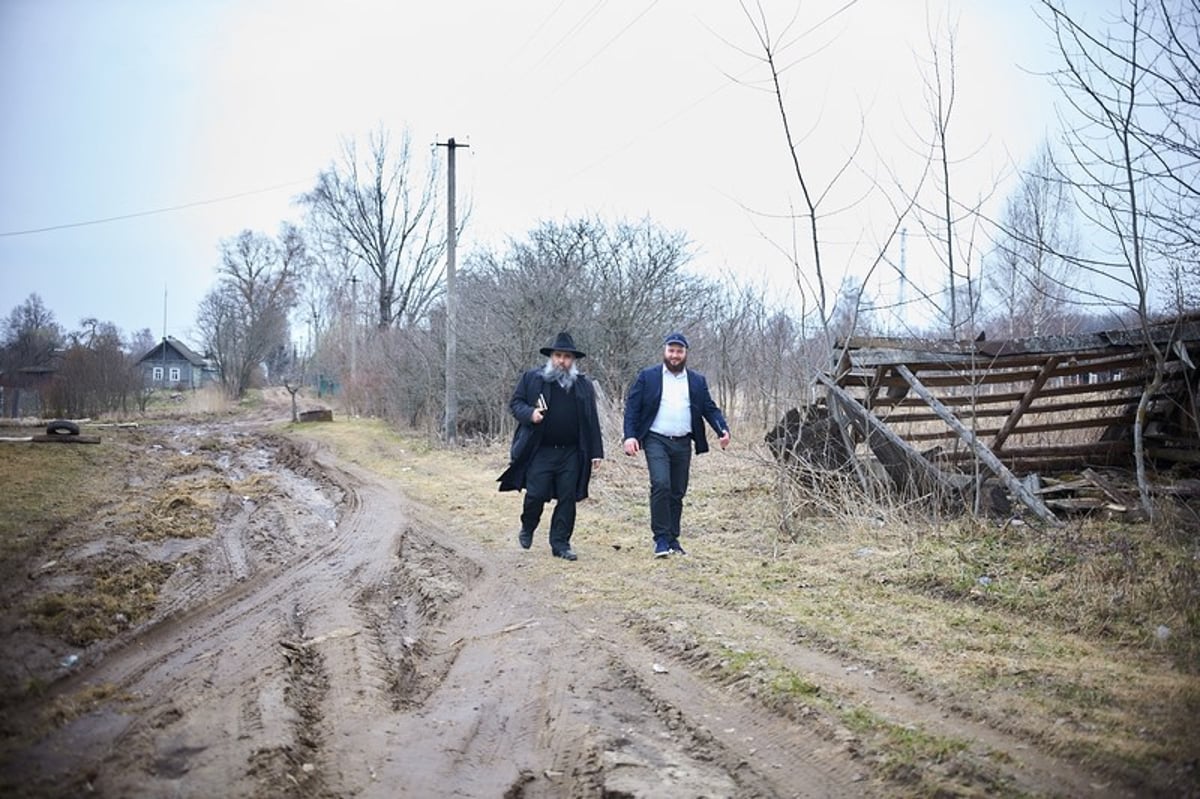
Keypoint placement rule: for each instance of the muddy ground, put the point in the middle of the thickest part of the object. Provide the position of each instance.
(328, 639)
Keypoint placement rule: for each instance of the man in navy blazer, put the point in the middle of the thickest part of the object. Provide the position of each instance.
(665, 412)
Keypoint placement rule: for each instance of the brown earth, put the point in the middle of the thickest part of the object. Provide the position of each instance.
(330, 637)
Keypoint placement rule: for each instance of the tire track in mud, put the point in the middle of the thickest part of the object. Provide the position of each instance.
(388, 661)
(550, 706)
(220, 674)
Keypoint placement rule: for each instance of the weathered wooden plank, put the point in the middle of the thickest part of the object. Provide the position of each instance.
(1173, 454)
(1100, 449)
(1059, 487)
(985, 455)
(1086, 503)
(64, 438)
(882, 350)
(1019, 409)
(1008, 397)
(924, 469)
(1045, 409)
(1159, 334)
(1109, 488)
(1050, 427)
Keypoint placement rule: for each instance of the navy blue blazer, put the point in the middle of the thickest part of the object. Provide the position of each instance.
(641, 406)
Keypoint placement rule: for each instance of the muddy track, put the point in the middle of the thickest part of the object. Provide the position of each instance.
(336, 643)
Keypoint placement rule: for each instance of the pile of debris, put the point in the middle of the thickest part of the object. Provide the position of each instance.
(950, 418)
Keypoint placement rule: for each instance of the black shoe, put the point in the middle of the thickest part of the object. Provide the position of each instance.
(566, 554)
(525, 539)
(676, 549)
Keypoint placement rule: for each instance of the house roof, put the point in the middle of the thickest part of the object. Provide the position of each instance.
(178, 346)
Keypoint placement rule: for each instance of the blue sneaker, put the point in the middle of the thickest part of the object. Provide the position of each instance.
(661, 549)
(676, 549)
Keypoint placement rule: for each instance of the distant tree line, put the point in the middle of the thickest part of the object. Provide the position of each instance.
(87, 372)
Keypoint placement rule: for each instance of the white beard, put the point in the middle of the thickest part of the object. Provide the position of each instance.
(564, 379)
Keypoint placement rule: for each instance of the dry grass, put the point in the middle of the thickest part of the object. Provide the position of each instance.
(56, 499)
(115, 596)
(46, 487)
(1056, 636)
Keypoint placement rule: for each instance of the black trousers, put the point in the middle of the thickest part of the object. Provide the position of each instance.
(669, 461)
(553, 474)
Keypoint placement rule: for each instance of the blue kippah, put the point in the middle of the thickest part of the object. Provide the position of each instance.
(676, 338)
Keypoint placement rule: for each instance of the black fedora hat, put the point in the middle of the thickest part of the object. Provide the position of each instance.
(564, 343)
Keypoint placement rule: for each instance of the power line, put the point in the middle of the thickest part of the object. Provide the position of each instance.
(579, 25)
(151, 212)
(607, 44)
(524, 45)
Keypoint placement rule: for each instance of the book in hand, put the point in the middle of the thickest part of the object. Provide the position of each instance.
(541, 404)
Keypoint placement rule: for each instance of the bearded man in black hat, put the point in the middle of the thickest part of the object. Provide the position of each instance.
(556, 445)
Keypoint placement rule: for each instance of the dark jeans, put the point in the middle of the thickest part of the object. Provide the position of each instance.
(553, 474)
(668, 460)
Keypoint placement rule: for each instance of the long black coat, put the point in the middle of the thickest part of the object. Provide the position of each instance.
(528, 436)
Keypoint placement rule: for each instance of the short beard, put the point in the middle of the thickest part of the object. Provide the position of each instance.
(564, 377)
(675, 369)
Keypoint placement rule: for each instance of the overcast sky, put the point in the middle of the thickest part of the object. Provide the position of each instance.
(184, 122)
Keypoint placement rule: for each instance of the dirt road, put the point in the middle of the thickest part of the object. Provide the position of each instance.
(332, 641)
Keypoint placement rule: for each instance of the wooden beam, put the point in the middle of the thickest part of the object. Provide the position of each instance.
(1030, 395)
(1105, 450)
(1110, 489)
(1049, 427)
(871, 426)
(985, 455)
(64, 438)
(1172, 454)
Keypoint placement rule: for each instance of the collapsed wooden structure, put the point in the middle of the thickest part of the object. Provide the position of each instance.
(951, 418)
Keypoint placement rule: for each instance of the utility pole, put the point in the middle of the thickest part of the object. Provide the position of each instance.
(450, 428)
(353, 330)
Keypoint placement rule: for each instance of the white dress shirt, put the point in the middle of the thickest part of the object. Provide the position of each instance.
(674, 417)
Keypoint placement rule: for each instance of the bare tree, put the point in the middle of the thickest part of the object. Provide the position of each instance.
(245, 318)
(946, 220)
(141, 342)
(1029, 274)
(639, 292)
(1172, 137)
(807, 259)
(826, 191)
(385, 218)
(96, 375)
(31, 335)
(1130, 91)
(617, 287)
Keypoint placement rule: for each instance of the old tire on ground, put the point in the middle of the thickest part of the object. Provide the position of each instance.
(62, 427)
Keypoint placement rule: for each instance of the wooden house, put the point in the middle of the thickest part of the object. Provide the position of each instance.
(171, 365)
